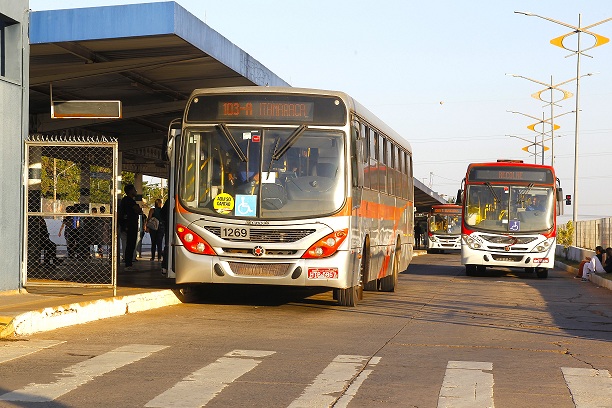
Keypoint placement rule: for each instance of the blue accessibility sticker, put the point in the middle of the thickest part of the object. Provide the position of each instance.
(515, 225)
(246, 205)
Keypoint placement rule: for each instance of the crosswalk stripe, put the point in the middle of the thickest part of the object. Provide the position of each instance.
(82, 373)
(354, 387)
(590, 388)
(466, 385)
(332, 380)
(197, 389)
(16, 349)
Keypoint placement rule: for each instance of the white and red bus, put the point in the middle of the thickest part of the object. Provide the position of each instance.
(510, 213)
(444, 228)
(288, 186)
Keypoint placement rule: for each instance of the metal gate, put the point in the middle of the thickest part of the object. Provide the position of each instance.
(70, 233)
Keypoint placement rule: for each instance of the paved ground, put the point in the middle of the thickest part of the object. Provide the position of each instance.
(40, 309)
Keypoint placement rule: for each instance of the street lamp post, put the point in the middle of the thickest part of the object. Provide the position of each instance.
(558, 41)
(552, 102)
(543, 133)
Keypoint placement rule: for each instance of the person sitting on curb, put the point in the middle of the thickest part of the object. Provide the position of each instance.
(598, 253)
(607, 265)
(593, 264)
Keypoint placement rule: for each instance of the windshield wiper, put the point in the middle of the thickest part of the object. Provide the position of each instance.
(495, 197)
(289, 142)
(272, 158)
(524, 193)
(232, 142)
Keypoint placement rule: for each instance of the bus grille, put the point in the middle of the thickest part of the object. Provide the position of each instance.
(259, 269)
(505, 239)
(507, 258)
(269, 235)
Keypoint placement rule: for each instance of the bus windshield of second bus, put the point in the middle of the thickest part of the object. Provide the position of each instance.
(445, 224)
(263, 172)
(493, 207)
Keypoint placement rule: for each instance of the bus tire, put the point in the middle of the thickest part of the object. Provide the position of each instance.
(349, 296)
(542, 273)
(388, 283)
(365, 269)
(470, 270)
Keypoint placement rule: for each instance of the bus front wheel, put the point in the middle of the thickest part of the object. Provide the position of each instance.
(542, 273)
(470, 270)
(349, 296)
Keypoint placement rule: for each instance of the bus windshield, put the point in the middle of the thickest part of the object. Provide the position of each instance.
(445, 224)
(262, 172)
(509, 208)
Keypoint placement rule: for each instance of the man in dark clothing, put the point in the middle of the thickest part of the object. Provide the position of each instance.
(131, 211)
(418, 231)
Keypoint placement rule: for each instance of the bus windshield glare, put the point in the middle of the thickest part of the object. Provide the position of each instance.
(445, 224)
(509, 208)
(262, 172)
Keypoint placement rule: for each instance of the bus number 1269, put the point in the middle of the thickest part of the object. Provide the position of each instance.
(235, 233)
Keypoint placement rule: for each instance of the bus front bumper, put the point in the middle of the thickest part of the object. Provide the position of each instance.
(332, 272)
(513, 260)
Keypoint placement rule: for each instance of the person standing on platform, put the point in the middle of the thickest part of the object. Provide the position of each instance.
(157, 234)
(131, 212)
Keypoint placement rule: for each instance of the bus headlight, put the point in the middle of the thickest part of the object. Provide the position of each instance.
(193, 242)
(471, 242)
(326, 246)
(543, 246)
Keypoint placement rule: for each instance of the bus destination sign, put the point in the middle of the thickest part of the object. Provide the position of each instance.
(510, 174)
(287, 111)
(446, 210)
(267, 108)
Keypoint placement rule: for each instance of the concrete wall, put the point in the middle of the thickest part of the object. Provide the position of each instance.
(13, 131)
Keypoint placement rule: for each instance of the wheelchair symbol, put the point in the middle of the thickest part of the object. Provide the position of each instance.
(515, 225)
(246, 208)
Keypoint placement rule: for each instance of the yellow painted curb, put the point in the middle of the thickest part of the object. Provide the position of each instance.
(6, 327)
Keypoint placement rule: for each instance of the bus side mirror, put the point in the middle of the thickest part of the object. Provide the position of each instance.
(560, 198)
(174, 130)
(459, 199)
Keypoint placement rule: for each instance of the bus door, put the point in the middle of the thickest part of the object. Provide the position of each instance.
(172, 150)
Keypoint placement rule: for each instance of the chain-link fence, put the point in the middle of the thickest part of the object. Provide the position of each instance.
(70, 225)
(591, 233)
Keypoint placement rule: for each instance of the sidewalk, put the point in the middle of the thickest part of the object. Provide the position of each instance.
(594, 278)
(47, 308)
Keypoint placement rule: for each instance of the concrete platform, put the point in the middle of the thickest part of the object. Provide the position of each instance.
(41, 308)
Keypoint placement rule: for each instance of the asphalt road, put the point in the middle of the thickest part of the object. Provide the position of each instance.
(441, 340)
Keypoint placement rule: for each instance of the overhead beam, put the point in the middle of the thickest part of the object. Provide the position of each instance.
(46, 124)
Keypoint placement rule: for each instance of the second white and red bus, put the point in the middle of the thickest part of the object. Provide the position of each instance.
(510, 216)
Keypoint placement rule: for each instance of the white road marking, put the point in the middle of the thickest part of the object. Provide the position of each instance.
(16, 349)
(197, 389)
(82, 373)
(332, 380)
(590, 388)
(354, 387)
(466, 385)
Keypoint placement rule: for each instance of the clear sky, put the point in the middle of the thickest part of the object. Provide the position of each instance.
(435, 72)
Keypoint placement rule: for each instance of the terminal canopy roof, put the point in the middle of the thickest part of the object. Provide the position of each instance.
(149, 56)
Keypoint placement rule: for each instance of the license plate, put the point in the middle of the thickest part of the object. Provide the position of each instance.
(322, 273)
(235, 233)
(540, 260)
